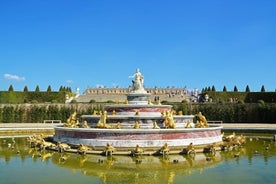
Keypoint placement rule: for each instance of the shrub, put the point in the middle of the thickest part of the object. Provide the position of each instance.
(109, 101)
(73, 101)
(92, 101)
(34, 101)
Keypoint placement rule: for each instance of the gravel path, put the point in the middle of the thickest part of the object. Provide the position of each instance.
(28, 125)
(249, 125)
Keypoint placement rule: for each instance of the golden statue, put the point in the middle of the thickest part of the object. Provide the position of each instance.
(85, 125)
(46, 145)
(114, 112)
(164, 149)
(138, 150)
(201, 122)
(136, 125)
(109, 149)
(188, 125)
(190, 148)
(82, 149)
(169, 121)
(72, 121)
(155, 126)
(62, 147)
(118, 125)
(102, 122)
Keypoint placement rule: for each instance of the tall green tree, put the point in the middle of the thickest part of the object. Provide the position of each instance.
(247, 89)
(11, 88)
(49, 89)
(60, 88)
(37, 89)
(263, 88)
(25, 89)
(224, 89)
(235, 89)
(213, 88)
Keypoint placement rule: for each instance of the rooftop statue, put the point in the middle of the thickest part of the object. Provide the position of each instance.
(137, 82)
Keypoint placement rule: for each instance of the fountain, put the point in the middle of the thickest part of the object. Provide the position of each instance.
(138, 123)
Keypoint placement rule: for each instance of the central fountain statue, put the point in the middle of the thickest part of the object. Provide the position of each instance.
(138, 94)
(139, 123)
(138, 82)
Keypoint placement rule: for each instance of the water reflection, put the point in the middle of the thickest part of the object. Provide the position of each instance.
(114, 169)
(142, 169)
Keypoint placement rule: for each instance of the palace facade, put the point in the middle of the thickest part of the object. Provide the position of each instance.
(152, 91)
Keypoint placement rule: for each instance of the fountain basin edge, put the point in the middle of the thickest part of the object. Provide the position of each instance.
(146, 138)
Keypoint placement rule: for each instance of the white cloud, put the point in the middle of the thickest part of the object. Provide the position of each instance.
(70, 81)
(13, 77)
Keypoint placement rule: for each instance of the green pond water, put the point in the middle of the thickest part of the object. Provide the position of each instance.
(255, 162)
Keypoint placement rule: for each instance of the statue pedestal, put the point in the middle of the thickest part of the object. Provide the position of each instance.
(138, 98)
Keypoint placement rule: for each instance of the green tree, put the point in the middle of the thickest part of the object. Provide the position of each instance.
(213, 88)
(61, 88)
(49, 89)
(11, 88)
(25, 89)
(235, 89)
(224, 89)
(68, 89)
(37, 89)
(263, 88)
(247, 89)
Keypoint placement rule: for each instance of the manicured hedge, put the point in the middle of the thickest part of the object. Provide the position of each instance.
(269, 97)
(227, 112)
(247, 97)
(29, 97)
(233, 112)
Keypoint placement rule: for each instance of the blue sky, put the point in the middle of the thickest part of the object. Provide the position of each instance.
(81, 43)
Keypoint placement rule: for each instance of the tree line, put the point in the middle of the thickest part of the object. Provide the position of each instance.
(36, 96)
(37, 89)
(235, 89)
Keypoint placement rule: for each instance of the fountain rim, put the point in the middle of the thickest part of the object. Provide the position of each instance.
(133, 117)
(106, 130)
(135, 105)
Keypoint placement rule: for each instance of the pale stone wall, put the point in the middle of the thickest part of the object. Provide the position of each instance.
(153, 91)
(119, 94)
